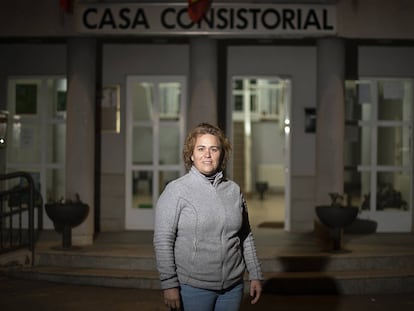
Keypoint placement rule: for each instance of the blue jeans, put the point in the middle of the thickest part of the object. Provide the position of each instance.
(198, 299)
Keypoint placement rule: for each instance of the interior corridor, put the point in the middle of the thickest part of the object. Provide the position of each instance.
(266, 213)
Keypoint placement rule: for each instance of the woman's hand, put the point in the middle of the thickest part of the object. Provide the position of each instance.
(172, 298)
(255, 290)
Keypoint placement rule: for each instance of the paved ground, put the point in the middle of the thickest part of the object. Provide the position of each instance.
(44, 296)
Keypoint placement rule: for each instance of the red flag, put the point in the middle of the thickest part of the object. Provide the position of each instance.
(197, 9)
(66, 5)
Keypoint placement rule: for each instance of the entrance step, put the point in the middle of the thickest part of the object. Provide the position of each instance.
(296, 274)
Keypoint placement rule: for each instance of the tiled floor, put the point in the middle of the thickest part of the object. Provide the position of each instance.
(269, 210)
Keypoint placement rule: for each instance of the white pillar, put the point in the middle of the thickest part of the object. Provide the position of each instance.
(80, 131)
(330, 119)
(203, 82)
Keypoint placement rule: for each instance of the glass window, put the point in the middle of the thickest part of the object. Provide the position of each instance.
(37, 132)
(56, 140)
(263, 96)
(143, 98)
(364, 186)
(26, 98)
(393, 191)
(55, 184)
(142, 142)
(358, 101)
(58, 87)
(170, 149)
(238, 103)
(24, 145)
(391, 104)
(357, 145)
(142, 188)
(353, 188)
(392, 148)
(378, 144)
(170, 99)
(155, 125)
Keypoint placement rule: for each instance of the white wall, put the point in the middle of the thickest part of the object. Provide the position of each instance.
(386, 61)
(375, 19)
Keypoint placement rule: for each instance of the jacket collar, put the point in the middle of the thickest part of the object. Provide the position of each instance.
(217, 179)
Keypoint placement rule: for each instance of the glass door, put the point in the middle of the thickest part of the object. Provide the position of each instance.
(261, 140)
(378, 156)
(36, 133)
(155, 137)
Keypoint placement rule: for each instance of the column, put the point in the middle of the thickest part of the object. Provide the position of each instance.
(80, 131)
(330, 119)
(202, 82)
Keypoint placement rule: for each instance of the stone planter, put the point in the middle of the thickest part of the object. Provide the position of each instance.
(336, 218)
(65, 216)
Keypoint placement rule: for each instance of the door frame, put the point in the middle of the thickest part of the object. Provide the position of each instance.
(143, 219)
(387, 221)
(286, 128)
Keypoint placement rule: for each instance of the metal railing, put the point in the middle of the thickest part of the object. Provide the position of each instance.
(18, 201)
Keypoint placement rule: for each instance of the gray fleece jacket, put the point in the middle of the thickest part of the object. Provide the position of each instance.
(202, 234)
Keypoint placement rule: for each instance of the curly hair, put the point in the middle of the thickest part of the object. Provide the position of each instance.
(201, 129)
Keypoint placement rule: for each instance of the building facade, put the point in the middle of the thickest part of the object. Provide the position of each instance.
(316, 96)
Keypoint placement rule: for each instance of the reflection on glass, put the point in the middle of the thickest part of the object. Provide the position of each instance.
(169, 145)
(357, 145)
(238, 103)
(59, 88)
(262, 96)
(358, 101)
(55, 185)
(391, 102)
(26, 99)
(142, 140)
(237, 84)
(142, 188)
(143, 99)
(259, 108)
(365, 194)
(56, 141)
(365, 145)
(352, 146)
(393, 191)
(170, 98)
(392, 147)
(352, 187)
(25, 143)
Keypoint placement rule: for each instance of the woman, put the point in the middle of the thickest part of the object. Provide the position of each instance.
(202, 236)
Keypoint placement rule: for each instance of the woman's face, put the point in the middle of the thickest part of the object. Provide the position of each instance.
(206, 154)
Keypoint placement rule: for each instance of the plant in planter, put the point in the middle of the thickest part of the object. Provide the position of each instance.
(66, 215)
(336, 216)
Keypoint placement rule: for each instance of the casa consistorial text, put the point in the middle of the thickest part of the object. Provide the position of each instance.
(220, 19)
